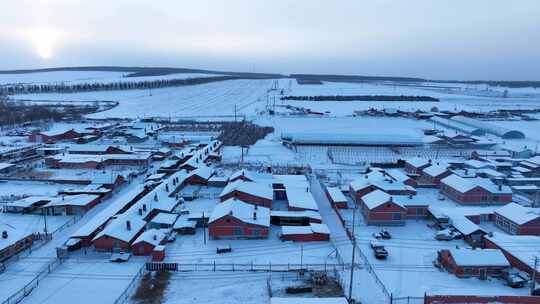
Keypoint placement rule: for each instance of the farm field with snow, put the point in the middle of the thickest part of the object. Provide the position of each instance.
(81, 77)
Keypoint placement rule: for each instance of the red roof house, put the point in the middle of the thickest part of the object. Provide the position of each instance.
(236, 219)
(516, 219)
(380, 208)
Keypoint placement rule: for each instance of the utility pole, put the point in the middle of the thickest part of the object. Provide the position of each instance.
(533, 285)
(234, 112)
(353, 252)
(301, 256)
(204, 228)
(44, 220)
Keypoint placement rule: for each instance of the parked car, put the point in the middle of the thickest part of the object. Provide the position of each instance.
(120, 257)
(448, 234)
(383, 234)
(378, 250)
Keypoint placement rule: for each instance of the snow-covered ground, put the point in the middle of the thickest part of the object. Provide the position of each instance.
(79, 77)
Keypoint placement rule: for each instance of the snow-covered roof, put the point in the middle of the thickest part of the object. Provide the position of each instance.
(519, 214)
(29, 201)
(381, 180)
(165, 218)
(184, 222)
(377, 198)
(251, 175)
(203, 171)
(466, 184)
(523, 247)
(83, 158)
(300, 198)
(95, 148)
(418, 162)
(464, 225)
(368, 139)
(304, 213)
(6, 165)
(476, 164)
(436, 170)
(152, 236)
(336, 194)
(489, 127)
(15, 234)
(252, 188)
(479, 257)
(118, 229)
(242, 211)
(115, 206)
(312, 228)
(73, 200)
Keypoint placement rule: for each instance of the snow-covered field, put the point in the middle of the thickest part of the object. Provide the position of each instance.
(79, 77)
(218, 98)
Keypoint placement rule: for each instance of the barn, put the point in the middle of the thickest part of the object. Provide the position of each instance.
(481, 263)
(311, 233)
(300, 199)
(146, 242)
(235, 219)
(249, 192)
(516, 219)
(475, 191)
(120, 233)
(380, 208)
(336, 197)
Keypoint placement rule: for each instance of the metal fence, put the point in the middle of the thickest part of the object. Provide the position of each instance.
(125, 295)
(18, 296)
(245, 267)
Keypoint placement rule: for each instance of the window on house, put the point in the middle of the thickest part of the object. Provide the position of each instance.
(396, 216)
(256, 232)
(238, 231)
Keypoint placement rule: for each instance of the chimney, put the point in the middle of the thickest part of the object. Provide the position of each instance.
(500, 187)
(140, 211)
(410, 196)
(429, 161)
(254, 215)
(128, 225)
(144, 207)
(391, 198)
(156, 197)
(154, 237)
(4, 234)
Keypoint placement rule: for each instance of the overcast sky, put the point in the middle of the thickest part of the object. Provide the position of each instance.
(441, 39)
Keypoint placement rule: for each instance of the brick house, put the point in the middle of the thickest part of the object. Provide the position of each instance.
(516, 219)
(72, 204)
(377, 181)
(148, 240)
(235, 219)
(519, 250)
(481, 263)
(380, 208)
(200, 176)
(475, 191)
(120, 233)
(416, 165)
(433, 174)
(336, 197)
(51, 137)
(311, 233)
(249, 192)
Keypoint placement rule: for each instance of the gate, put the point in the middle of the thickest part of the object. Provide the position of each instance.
(161, 266)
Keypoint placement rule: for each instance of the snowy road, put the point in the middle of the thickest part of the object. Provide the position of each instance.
(365, 287)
